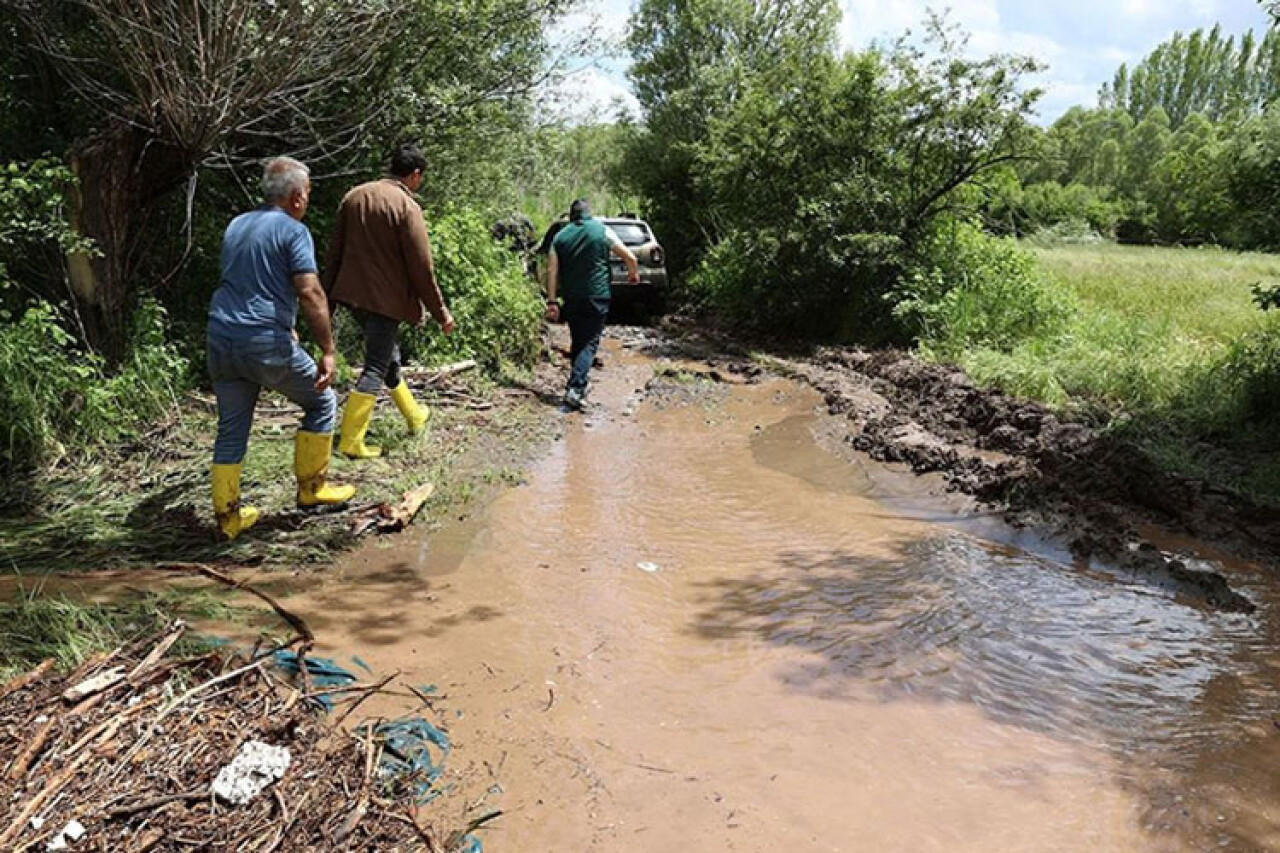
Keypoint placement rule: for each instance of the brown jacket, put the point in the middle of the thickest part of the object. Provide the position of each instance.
(380, 255)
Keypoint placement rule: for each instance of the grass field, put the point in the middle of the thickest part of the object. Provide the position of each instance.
(1167, 345)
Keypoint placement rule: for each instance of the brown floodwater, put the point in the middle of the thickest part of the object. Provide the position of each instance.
(701, 626)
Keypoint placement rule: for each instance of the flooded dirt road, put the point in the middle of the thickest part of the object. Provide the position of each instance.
(694, 628)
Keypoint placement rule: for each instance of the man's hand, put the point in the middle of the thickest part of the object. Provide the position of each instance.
(324, 371)
(552, 314)
(447, 325)
(633, 276)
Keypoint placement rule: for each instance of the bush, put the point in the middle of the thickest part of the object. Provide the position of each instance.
(497, 307)
(58, 400)
(972, 290)
(1251, 370)
(1049, 205)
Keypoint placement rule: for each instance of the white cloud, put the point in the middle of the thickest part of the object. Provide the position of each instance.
(867, 21)
(1082, 41)
(586, 95)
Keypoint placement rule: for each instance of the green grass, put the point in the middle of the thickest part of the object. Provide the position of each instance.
(1199, 296)
(1165, 345)
(148, 503)
(38, 626)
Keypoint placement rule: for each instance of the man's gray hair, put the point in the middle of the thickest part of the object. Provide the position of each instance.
(282, 177)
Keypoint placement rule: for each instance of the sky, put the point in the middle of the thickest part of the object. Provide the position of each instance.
(1081, 41)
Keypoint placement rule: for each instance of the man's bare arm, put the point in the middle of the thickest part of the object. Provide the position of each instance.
(315, 309)
(633, 267)
(553, 275)
(552, 313)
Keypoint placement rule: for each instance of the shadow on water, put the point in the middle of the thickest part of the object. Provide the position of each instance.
(382, 609)
(1170, 690)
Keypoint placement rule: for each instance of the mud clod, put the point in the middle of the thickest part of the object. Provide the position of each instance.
(1091, 488)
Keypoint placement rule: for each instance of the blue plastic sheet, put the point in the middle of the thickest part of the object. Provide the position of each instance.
(414, 753)
(414, 750)
(321, 672)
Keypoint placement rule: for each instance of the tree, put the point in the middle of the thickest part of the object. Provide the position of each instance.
(803, 182)
(171, 84)
(1203, 72)
(695, 60)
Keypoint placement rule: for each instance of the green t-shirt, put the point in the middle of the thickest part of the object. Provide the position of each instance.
(582, 247)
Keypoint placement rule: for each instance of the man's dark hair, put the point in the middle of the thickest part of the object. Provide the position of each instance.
(406, 160)
(580, 209)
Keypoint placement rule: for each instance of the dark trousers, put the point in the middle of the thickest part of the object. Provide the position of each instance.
(586, 324)
(381, 353)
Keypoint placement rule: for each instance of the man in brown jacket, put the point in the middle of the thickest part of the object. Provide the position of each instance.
(380, 266)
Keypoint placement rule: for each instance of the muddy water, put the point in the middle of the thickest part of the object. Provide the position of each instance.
(695, 629)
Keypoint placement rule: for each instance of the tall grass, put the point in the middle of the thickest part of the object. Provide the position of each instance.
(544, 205)
(1165, 344)
(36, 626)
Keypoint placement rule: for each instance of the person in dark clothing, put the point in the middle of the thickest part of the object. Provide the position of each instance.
(543, 249)
(380, 266)
(578, 267)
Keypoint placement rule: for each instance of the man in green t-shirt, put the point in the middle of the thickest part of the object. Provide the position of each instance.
(579, 260)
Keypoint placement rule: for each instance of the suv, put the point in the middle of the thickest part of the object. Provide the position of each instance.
(651, 292)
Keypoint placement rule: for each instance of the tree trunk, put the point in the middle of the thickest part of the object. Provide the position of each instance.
(121, 171)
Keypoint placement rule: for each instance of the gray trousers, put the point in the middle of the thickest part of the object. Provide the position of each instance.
(381, 353)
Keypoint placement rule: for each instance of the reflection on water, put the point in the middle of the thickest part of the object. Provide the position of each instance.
(1035, 645)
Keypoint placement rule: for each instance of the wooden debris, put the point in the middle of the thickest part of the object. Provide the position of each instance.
(20, 682)
(133, 761)
(385, 518)
(103, 680)
(439, 374)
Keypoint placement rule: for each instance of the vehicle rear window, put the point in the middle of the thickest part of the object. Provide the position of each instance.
(631, 233)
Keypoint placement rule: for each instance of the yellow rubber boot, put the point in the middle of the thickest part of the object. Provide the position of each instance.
(356, 417)
(311, 463)
(232, 518)
(415, 415)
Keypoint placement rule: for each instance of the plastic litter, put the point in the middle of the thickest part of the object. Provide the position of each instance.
(321, 672)
(254, 767)
(407, 757)
(70, 834)
(647, 566)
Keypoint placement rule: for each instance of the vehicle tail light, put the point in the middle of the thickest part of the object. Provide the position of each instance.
(655, 256)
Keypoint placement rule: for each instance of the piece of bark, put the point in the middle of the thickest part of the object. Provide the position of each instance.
(102, 681)
(175, 632)
(20, 764)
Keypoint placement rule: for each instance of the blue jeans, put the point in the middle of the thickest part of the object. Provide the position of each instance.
(586, 324)
(241, 369)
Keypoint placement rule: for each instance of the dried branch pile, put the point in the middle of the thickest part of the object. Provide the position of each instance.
(130, 743)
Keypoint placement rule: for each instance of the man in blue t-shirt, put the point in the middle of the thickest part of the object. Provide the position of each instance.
(269, 272)
(579, 263)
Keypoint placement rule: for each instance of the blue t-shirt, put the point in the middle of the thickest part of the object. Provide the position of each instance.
(261, 253)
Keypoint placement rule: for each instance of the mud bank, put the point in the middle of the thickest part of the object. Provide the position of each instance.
(1100, 495)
